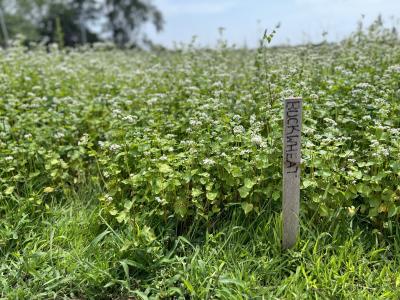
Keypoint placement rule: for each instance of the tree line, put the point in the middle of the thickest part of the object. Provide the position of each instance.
(77, 22)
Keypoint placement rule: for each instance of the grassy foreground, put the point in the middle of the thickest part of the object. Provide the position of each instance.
(70, 252)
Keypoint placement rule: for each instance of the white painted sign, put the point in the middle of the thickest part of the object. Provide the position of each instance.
(291, 171)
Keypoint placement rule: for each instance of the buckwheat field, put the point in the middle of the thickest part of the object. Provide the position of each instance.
(158, 175)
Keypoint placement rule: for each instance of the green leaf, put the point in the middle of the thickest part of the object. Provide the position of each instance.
(363, 189)
(125, 267)
(196, 192)
(323, 211)
(247, 207)
(9, 190)
(373, 212)
(395, 166)
(164, 168)
(244, 191)
(249, 183)
(276, 195)
(306, 183)
(189, 286)
(205, 174)
(356, 174)
(387, 194)
(98, 238)
(236, 172)
(373, 202)
(181, 207)
(392, 210)
(128, 205)
(140, 294)
(48, 189)
(231, 281)
(135, 264)
(211, 195)
(215, 209)
(113, 212)
(54, 161)
(122, 217)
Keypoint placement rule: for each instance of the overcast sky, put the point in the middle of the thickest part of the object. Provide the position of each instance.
(244, 21)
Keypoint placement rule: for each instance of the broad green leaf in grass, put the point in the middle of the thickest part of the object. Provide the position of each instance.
(181, 207)
(374, 202)
(196, 192)
(392, 210)
(211, 195)
(248, 183)
(189, 286)
(307, 182)
(247, 207)
(373, 212)
(236, 172)
(276, 195)
(48, 189)
(364, 189)
(122, 217)
(244, 191)
(215, 208)
(9, 190)
(323, 210)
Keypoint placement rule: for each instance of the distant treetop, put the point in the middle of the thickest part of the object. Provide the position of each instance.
(74, 22)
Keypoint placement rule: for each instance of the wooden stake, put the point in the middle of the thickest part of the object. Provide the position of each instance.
(3, 28)
(291, 171)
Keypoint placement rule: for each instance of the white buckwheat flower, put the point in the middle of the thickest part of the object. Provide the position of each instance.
(238, 129)
(84, 140)
(115, 147)
(236, 118)
(130, 119)
(59, 135)
(256, 139)
(252, 119)
(208, 162)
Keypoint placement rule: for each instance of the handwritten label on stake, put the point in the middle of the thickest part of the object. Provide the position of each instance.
(291, 171)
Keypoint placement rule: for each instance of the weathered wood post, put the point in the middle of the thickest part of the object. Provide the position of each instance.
(291, 171)
(3, 28)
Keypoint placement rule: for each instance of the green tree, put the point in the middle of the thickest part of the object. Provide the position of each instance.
(125, 17)
(66, 25)
(13, 22)
(80, 21)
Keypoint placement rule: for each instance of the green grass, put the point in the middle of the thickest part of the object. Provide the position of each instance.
(70, 251)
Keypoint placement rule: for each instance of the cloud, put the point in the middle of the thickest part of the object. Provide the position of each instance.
(179, 7)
